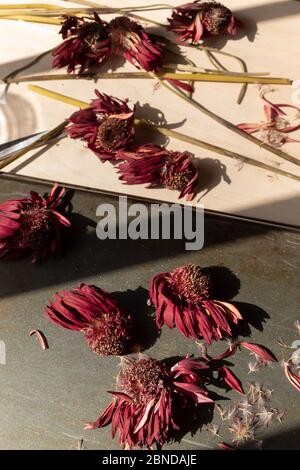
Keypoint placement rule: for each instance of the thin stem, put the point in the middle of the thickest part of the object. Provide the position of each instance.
(11, 75)
(214, 148)
(33, 19)
(228, 124)
(195, 77)
(162, 130)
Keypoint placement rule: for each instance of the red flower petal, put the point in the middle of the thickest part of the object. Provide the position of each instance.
(260, 350)
(232, 380)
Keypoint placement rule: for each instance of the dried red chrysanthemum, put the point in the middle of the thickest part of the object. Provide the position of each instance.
(86, 43)
(90, 41)
(156, 166)
(192, 21)
(149, 394)
(135, 44)
(33, 224)
(275, 129)
(107, 125)
(182, 299)
(93, 311)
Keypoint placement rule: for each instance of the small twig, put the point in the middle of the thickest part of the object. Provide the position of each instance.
(41, 337)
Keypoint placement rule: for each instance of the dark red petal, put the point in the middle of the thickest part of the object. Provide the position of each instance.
(232, 380)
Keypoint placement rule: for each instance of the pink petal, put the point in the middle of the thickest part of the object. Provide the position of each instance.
(260, 350)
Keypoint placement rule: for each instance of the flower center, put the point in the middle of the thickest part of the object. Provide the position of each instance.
(216, 17)
(143, 379)
(191, 283)
(37, 229)
(111, 133)
(123, 33)
(93, 34)
(177, 180)
(108, 335)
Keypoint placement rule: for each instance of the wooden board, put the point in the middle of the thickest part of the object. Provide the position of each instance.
(269, 42)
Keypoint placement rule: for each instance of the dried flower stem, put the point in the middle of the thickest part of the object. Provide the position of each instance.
(7, 79)
(32, 19)
(196, 77)
(152, 127)
(226, 123)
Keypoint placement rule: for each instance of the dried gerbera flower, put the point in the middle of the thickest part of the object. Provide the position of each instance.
(94, 312)
(90, 41)
(148, 396)
(242, 430)
(159, 167)
(275, 129)
(194, 20)
(106, 125)
(138, 47)
(87, 43)
(182, 299)
(33, 224)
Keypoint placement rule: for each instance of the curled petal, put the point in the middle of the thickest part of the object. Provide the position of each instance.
(259, 350)
(292, 378)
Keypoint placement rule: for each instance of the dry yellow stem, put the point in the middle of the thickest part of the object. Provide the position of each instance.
(32, 19)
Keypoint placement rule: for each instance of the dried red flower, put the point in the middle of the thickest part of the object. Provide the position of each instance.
(93, 311)
(156, 166)
(34, 224)
(138, 47)
(90, 41)
(86, 43)
(148, 395)
(107, 125)
(192, 21)
(275, 129)
(182, 299)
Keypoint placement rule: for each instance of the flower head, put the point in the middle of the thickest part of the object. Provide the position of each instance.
(159, 167)
(107, 125)
(34, 224)
(182, 299)
(135, 44)
(192, 21)
(94, 312)
(86, 43)
(90, 41)
(277, 125)
(148, 395)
